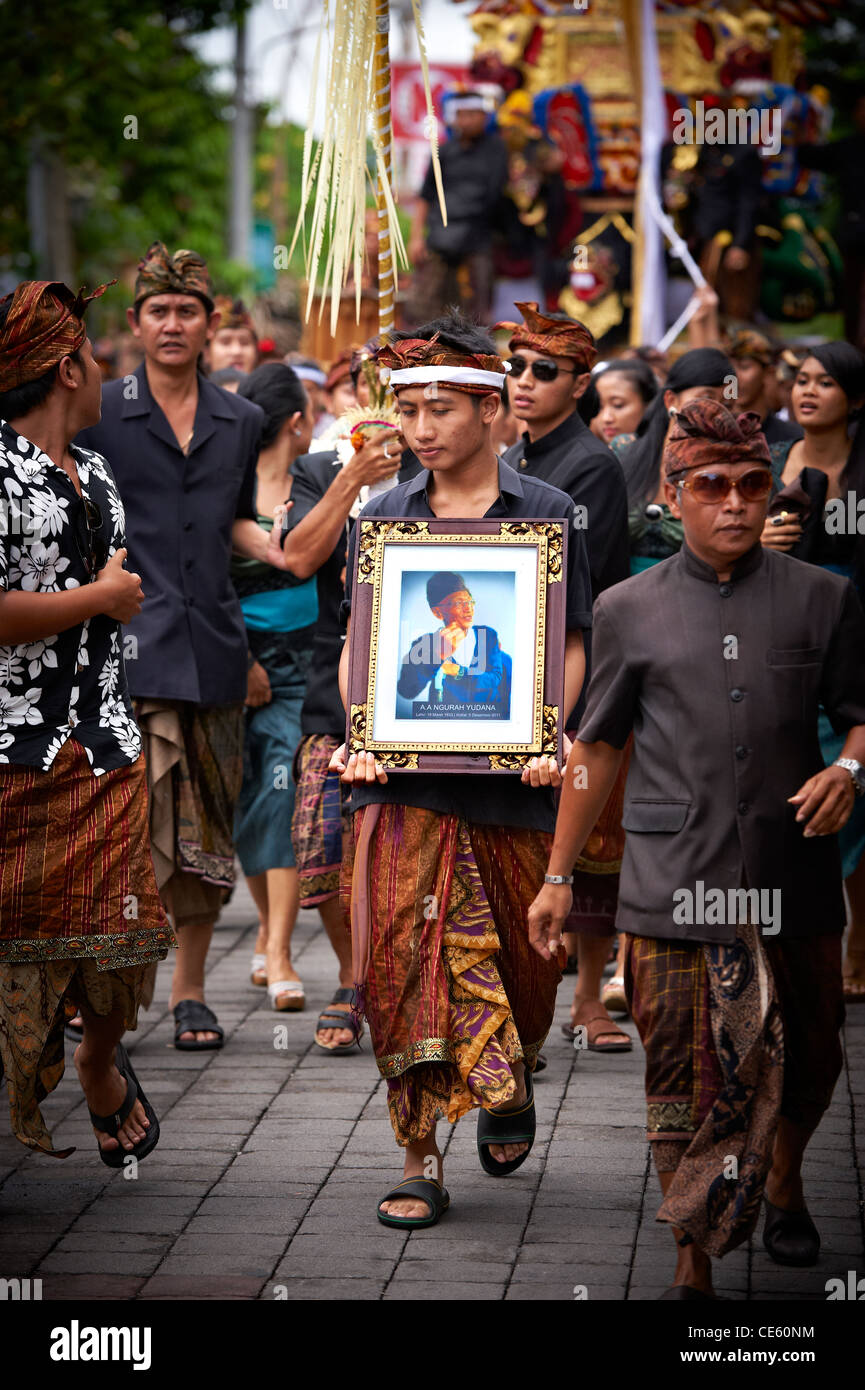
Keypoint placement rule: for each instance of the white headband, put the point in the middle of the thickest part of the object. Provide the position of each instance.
(313, 374)
(460, 376)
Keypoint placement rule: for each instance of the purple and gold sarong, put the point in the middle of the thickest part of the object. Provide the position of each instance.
(452, 990)
(320, 821)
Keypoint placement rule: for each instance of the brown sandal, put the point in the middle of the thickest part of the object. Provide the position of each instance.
(593, 1017)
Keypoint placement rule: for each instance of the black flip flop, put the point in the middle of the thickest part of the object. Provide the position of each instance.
(191, 1016)
(425, 1190)
(512, 1127)
(111, 1124)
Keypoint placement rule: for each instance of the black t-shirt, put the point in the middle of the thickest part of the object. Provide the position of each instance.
(573, 459)
(473, 176)
(491, 798)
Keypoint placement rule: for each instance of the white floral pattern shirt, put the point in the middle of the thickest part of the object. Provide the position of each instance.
(72, 685)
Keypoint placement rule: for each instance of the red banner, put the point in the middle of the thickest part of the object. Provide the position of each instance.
(407, 101)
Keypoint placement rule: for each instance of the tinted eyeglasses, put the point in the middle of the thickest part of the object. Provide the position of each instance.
(711, 488)
(95, 553)
(541, 371)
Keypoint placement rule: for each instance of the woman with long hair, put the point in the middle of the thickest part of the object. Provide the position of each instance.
(828, 401)
(625, 388)
(280, 612)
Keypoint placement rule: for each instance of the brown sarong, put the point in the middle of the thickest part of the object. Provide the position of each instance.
(454, 993)
(76, 879)
(734, 1037)
(80, 917)
(194, 757)
(321, 820)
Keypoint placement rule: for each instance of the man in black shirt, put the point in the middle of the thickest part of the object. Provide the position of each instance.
(718, 660)
(184, 453)
(443, 864)
(454, 263)
(550, 369)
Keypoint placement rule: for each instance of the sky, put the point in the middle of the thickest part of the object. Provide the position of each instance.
(280, 67)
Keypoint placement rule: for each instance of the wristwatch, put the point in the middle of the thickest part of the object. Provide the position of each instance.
(558, 878)
(857, 772)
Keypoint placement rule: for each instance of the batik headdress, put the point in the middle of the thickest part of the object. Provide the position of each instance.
(705, 434)
(747, 342)
(183, 273)
(553, 334)
(45, 323)
(233, 313)
(421, 361)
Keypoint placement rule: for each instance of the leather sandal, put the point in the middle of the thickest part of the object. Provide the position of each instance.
(594, 1018)
(258, 970)
(338, 1018)
(112, 1124)
(425, 1190)
(507, 1127)
(791, 1237)
(191, 1016)
(293, 989)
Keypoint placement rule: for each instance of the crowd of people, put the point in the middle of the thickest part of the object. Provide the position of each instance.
(176, 562)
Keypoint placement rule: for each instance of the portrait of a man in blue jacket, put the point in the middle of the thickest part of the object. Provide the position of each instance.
(458, 671)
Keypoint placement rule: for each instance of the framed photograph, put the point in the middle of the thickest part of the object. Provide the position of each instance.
(457, 643)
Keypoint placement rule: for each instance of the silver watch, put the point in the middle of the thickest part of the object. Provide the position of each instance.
(857, 772)
(558, 878)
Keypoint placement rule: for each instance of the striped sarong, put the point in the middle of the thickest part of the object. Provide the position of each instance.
(454, 994)
(76, 879)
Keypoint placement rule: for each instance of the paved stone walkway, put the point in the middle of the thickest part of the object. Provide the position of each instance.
(272, 1156)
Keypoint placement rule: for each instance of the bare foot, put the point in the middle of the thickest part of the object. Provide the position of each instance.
(105, 1092)
(417, 1165)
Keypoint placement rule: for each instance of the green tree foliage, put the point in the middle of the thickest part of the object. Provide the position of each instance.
(85, 78)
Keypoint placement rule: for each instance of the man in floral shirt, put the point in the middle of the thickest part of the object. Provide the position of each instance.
(80, 916)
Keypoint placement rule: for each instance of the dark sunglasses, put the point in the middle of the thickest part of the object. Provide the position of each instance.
(541, 371)
(95, 556)
(711, 488)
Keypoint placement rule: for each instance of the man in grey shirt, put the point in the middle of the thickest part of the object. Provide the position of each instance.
(718, 660)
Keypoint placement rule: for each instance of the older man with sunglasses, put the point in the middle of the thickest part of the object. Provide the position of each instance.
(550, 368)
(718, 660)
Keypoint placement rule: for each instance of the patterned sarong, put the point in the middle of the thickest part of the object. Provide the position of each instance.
(76, 878)
(35, 1000)
(454, 993)
(194, 756)
(735, 1035)
(321, 821)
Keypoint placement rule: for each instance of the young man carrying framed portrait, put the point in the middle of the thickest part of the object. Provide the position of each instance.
(443, 867)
